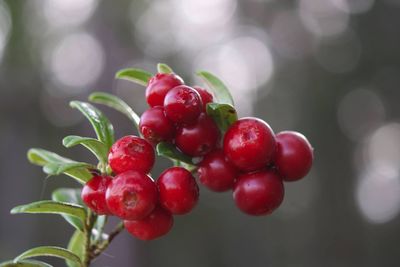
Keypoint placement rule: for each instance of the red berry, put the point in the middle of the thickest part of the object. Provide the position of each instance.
(258, 193)
(131, 153)
(216, 172)
(158, 87)
(249, 144)
(198, 139)
(206, 97)
(178, 190)
(94, 194)
(155, 126)
(293, 156)
(155, 225)
(132, 195)
(183, 104)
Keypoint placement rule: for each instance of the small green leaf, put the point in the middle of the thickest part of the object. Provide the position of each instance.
(223, 114)
(76, 246)
(164, 68)
(49, 251)
(70, 195)
(101, 125)
(53, 207)
(138, 76)
(53, 163)
(115, 102)
(97, 147)
(219, 89)
(25, 263)
(168, 150)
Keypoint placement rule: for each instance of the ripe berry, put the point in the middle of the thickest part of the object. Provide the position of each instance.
(178, 190)
(216, 172)
(198, 139)
(155, 126)
(132, 195)
(206, 97)
(94, 194)
(183, 104)
(258, 193)
(131, 153)
(293, 156)
(249, 144)
(155, 225)
(158, 87)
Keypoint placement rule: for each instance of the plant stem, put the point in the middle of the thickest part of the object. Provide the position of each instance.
(91, 218)
(103, 246)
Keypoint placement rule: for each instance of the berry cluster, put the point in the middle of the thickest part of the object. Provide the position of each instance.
(248, 158)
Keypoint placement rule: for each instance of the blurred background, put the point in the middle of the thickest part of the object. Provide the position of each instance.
(327, 68)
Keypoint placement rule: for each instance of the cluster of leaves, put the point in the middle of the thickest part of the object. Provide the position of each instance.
(89, 240)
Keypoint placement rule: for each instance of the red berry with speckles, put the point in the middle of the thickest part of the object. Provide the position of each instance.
(249, 144)
(258, 193)
(198, 139)
(94, 194)
(183, 104)
(155, 225)
(293, 156)
(132, 195)
(178, 190)
(158, 87)
(131, 153)
(206, 97)
(155, 126)
(216, 172)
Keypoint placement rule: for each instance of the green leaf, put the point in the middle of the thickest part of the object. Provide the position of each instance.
(54, 163)
(219, 89)
(115, 102)
(52, 207)
(76, 246)
(95, 146)
(49, 251)
(168, 150)
(70, 195)
(138, 76)
(25, 263)
(101, 125)
(164, 68)
(224, 115)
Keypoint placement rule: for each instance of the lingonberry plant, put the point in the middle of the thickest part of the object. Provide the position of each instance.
(198, 130)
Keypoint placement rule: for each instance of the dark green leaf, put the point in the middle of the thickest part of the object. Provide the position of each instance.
(116, 103)
(164, 68)
(223, 114)
(70, 195)
(49, 251)
(97, 147)
(53, 163)
(101, 125)
(168, 150)
(138, 76)
(25, 263)
(219, 89)
(77, 246)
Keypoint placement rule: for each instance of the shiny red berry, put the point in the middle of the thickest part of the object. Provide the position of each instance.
(155, 225)
(293, 156)
(258, 193)
(178, 190)
(206, 97)
(132, 195)
(216, 172)
(158, 87)
(249, 144)
(183, 104)
(199, 138)
(94, 194)
(131, 153)
(155, 126)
